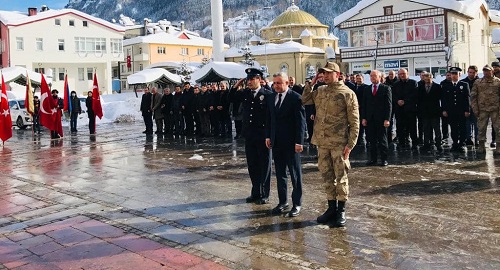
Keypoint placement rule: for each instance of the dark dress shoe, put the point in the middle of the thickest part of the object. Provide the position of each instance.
(384, 163)
(371, 163)
(262, 201)
(295, 211)
(251, 199)
(279, 209)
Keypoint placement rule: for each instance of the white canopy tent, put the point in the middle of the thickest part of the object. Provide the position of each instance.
(219, 71)
(154, 75)
(18, 75)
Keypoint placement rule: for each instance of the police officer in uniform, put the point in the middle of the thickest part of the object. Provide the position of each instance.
(336, 130)
(254, 105)
(456, 108)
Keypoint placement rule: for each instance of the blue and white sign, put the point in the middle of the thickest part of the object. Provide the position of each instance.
(391, 64)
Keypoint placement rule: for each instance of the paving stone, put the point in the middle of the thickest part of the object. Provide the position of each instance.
(19, 236)
(58, 225)
(99, 229)
(173, 258)
(221, 249)
(34, 241)
(135, 243)
(45, 248)
(176, 235)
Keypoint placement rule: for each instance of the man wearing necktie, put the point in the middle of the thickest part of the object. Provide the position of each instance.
(376, 109)
(285, 127)
(456, 107)
(254, 101)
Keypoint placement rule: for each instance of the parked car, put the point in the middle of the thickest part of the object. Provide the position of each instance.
(20, 117)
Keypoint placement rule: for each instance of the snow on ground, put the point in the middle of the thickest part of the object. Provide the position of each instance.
(116, 108)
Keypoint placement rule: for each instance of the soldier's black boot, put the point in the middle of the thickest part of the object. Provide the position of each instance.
(329, 214)
(340, 220)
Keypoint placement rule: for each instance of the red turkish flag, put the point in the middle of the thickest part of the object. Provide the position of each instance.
(5, 119)
(50, 114)
(96, 99)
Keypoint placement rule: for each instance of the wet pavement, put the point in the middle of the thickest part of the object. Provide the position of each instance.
(122, 200)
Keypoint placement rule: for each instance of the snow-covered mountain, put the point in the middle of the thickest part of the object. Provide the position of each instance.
(243, 18)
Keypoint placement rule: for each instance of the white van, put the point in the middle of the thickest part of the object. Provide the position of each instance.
(20, 117)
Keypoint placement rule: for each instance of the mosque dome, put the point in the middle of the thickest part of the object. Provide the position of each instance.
(294, 16)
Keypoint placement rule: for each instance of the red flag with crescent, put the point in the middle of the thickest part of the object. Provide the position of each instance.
(5, 118)
(96, 99)
(50, 115)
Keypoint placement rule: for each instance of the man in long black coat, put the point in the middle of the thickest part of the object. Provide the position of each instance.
(147, 114)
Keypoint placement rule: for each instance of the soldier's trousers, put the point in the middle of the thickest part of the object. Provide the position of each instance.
(334, 169)
(482, 122)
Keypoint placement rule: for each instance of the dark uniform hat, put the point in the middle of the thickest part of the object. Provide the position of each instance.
(487, 67)
(330, 67)
(253, 72)
(455, 70)
(55, 91)
(495, 64)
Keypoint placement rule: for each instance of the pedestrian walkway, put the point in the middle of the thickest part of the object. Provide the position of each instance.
(123, 200)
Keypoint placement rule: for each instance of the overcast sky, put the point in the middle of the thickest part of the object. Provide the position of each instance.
(22, 5)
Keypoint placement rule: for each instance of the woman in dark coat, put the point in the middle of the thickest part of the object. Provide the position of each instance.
(90, 112)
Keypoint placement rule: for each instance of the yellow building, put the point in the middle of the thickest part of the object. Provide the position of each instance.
(163, 45)
(294, 42)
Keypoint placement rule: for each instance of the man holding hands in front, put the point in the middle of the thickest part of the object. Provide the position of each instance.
(285, 124)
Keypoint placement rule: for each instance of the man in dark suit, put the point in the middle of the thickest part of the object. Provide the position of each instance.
(254, 100)
(285, 135)
(429, 112)
(405, 93)
(147, 114)
(456, 107)
(359, 89)
(295, 87)
(375, 114)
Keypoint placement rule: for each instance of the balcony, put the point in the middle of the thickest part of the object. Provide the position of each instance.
(141, 57)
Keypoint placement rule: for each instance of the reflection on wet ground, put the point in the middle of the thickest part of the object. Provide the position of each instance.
(423, 211)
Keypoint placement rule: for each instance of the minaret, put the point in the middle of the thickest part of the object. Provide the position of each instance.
(217, 30)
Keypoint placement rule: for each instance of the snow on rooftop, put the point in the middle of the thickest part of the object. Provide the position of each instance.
(466, 7)
(255, 38)
(272, 48)
(306, 33)
(170, 38)
(495, 15)
(16, 18)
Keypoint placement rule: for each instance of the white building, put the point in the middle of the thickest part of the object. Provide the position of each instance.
(418, 35)
(59, 41)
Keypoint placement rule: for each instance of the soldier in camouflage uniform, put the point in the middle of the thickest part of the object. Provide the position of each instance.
(485, 99)
(336, 129)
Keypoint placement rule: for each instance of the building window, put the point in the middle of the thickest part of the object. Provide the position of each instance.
(90, 74)
(60, 44)
(184, 51)
(116, 45)
(161, 50)
(357, 38)
(122, 68)
(39, 44)
(388, 11)
(40, 70)
(454, 32)
(85, 24)
(71, 22)
(61, 73)
(81, 74)
(90, 45)
(482, 37)
(57, 22)
(140, 67)
(201, 51)
(462, 32)
(54, 79)
(425, 29)
(20, 43)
